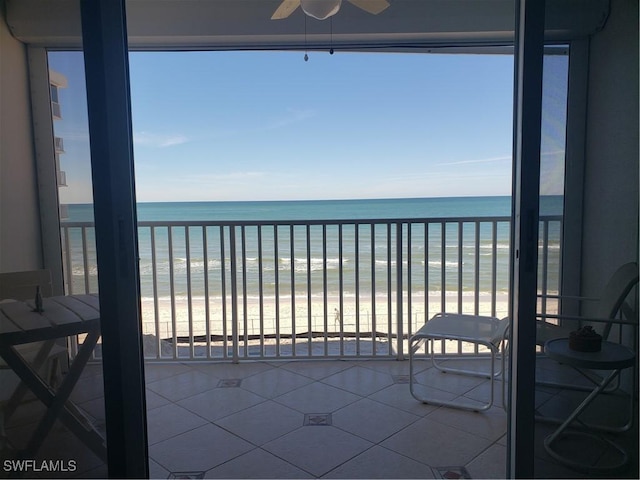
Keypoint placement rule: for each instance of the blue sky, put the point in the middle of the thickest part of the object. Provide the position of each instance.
(270, 126)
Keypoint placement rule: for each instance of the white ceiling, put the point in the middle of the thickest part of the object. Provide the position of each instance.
(230, 24)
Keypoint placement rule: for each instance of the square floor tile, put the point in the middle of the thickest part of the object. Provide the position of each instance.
(263, 422)
(371, 420)
(362, 381)
(492, 463)
(170, 420)
(220, 402)
(379, 462)
(233, 370)
(317, 397)
(88, 388)
(257, 464)
(393, 367)
(317, 369)
(157, 371)
(200, 449)
(449, 382)
(275, 382)
(157, 471)
(94, 409)
(183, 385)
(317, 450)
(154, 400)
(486, 425)
(399, 396)
(434, 443)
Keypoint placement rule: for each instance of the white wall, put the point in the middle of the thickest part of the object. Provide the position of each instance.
(19, 212)
(611, 164)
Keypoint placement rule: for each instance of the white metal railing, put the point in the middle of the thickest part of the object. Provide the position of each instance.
(59, 144)
(307, 289)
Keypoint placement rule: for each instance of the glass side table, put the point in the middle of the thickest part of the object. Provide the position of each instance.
(612, 357)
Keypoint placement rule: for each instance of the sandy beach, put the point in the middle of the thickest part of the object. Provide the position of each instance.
(190, 318)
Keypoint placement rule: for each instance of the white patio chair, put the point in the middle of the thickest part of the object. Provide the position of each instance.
(489, 332)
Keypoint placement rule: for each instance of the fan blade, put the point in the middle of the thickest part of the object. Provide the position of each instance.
(371, 6)
(286, 8)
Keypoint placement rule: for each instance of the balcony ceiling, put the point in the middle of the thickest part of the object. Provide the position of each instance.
(231, 24)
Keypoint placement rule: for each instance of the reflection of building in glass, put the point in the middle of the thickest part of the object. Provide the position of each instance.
(56, 82)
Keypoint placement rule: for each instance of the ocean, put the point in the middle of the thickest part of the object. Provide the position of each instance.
(324, 209)
(288, 263)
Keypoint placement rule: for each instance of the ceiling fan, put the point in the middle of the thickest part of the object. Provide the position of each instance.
(322, 9)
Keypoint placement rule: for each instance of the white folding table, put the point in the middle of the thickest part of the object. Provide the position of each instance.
(61, 317)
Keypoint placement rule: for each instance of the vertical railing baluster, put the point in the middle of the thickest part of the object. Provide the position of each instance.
(476, 280)
(277, 287)
(409, 280)
(292, 264)
(234, 294)
(223, 292)
(187, 246)
(494, 268)
(245, 316)
(389, 292)
(374, 335)
(207, 309)
(154, 289)
(460, 260)
(443, 263)
(325, 289)
(85, 260)
(69, 265)
(172, 289)
(261, 290)
(309, 291)
(426, 271)
(399, 293)
(545, 265)
(357, 284)
(341, 289)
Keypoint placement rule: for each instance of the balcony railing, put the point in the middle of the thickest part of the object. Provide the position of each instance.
(307, 289)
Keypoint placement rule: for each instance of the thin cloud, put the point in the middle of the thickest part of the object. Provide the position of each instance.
(483, 160)
(146, 139)
(223, 177)
(291, 117)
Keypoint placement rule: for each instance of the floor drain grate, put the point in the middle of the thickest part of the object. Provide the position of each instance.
(317, 419)
(186, 475)
(404, 379)
(453, 472)
(229, 382)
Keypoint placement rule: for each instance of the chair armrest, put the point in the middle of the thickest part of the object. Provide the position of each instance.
(617, 321)
(569, 297)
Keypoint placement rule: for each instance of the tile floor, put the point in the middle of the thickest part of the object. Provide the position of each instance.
(313, 419)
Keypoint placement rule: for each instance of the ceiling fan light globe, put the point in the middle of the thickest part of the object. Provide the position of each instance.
(320, 9)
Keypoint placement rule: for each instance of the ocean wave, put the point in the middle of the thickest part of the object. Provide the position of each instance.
(447, 264)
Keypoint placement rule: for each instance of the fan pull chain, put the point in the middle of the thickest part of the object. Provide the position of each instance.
(306, 57)
(331, 36)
